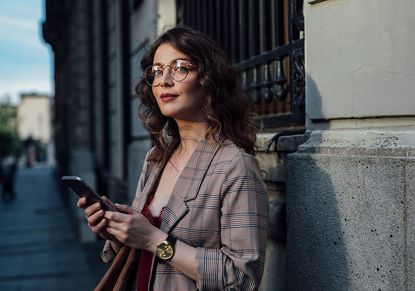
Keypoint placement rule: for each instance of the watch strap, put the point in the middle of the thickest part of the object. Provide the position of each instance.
(171, 239)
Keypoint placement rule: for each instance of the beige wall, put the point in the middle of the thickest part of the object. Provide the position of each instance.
(166, 12)
(359, 58)
(34, 117)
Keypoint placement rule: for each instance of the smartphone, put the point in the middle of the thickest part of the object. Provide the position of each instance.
(82, 189)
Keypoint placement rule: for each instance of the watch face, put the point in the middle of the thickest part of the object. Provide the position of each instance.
(165, 251)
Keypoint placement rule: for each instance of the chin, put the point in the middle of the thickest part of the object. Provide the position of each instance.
(172, 112)
(169, 113)
(182, 114)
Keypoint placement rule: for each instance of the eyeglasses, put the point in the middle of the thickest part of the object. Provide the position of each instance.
(178, 70)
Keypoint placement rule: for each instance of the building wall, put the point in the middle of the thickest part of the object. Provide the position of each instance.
(68, 30)
(77, 97)
(365, 72)
(146, 20)
(166, 15)
(143, 29)
(34, 117)
(97, 80)
(273, 163)
(115, 110)
(350, 187)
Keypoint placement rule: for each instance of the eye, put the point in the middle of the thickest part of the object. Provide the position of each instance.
(156, 71)
(181, 67)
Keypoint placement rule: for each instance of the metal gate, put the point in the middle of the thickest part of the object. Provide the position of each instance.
(265, 41)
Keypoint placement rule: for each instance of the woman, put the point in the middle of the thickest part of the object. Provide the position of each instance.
(200, 215)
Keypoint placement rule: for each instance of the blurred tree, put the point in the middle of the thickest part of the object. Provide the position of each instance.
(8, 114)
(10, 144)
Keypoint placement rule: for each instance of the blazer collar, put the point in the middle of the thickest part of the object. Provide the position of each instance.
(189, 182)
(187, 185)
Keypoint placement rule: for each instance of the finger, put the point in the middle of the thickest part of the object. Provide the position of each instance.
(125, 208)
(92, 209)
(81, 203)
(95, 218)
(121, 226)
(117, 216)
(119, 235)
(100, 227)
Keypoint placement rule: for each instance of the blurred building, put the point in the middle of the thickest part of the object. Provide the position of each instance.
(337, 121)
(34, 117)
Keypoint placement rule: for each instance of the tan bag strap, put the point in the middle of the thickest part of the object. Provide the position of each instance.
(118, 273)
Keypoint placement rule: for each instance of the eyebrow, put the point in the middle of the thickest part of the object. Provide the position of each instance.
(181, 59)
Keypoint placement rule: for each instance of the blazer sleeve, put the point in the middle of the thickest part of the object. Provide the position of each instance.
(107, 253)
(239, 263)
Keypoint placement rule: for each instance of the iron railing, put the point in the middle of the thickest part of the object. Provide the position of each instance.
(264, 40)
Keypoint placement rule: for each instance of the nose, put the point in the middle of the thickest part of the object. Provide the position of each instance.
(166, 79)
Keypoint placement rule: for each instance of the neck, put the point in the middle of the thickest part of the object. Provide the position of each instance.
(191, 133)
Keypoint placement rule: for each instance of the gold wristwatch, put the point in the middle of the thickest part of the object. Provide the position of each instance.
(165, 250)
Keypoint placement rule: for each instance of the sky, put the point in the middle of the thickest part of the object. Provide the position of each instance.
(25, 59)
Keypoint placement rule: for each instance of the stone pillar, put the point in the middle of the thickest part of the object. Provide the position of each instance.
(273, 162)
(350, 187)
(82, 165)
(78, 106)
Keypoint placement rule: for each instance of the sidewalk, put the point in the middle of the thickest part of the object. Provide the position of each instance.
(38, 246)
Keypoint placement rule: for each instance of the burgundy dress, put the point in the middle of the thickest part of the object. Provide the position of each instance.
(146, 257)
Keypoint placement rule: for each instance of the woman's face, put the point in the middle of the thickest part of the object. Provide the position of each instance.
(179, 100)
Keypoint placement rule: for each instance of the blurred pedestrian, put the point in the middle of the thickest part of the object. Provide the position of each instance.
(8, 173)
(30, 151)
(200, 216)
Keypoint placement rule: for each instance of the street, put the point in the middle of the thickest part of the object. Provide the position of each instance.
(39, 249)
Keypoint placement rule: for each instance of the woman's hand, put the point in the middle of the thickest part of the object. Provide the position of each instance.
(131, 228)
(94, 214)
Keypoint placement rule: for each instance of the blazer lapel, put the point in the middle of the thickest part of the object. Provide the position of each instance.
(150, 184)
(189, 182)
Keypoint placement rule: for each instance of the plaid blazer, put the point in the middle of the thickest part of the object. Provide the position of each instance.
(219, 205)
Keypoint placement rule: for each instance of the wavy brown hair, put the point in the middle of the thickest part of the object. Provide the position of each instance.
(226, 105)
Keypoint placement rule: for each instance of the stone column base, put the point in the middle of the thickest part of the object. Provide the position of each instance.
(351, 210)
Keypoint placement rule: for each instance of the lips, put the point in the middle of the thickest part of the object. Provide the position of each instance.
(167, 96)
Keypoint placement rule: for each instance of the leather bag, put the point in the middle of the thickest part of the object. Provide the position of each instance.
(119, 276)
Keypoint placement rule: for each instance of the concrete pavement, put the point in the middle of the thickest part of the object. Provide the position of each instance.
(39, 249)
